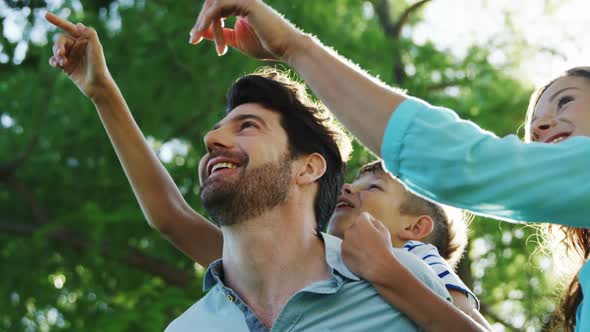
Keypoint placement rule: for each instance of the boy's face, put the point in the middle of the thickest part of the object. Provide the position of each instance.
(376, 193)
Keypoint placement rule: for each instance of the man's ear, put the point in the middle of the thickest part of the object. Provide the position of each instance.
(311, 168)
(418, 230)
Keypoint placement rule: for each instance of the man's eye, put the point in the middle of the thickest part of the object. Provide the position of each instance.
(564, 101)
(247, 124)
(374, 186)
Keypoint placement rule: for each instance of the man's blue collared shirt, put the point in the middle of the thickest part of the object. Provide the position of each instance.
(341, 303)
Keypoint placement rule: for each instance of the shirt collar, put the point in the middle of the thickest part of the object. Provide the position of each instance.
(213, 275)
(333, 252)
(333, 247)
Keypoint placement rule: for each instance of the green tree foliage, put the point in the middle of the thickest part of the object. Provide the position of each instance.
(75, 251)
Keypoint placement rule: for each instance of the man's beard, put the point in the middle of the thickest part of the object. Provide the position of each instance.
(255, 192)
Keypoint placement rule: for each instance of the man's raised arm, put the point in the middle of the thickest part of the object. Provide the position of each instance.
(79, 55)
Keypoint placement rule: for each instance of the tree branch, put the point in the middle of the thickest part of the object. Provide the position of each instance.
(446, 84)
(133, 257)
(383, 10)
(403, 19)
(393, 30)
(8, 168)
(37, 209)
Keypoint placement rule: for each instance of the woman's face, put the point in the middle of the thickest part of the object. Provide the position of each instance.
(563, 111)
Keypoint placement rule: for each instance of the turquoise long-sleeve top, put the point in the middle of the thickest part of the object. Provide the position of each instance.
(454, 162)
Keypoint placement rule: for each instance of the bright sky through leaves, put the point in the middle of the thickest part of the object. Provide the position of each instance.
(559, 26)
(557, 29)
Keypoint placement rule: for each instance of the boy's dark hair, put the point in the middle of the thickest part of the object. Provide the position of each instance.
(449, 234)
(309, 127)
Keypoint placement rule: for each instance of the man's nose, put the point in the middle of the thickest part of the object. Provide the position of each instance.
(217, 139)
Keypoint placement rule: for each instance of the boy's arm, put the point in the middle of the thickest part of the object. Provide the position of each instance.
(366, 250)
(463, 297)
(80, 56)
(430, 311)
(468, 307)
(161, 202)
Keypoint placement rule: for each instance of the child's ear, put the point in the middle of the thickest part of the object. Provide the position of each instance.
(311, 168)
(418, 230)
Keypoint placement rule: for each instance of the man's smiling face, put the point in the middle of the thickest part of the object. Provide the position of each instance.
(247, 166)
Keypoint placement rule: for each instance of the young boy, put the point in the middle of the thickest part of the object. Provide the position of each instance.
(434, 233)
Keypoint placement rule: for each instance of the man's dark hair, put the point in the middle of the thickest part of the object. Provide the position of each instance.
(309, 127)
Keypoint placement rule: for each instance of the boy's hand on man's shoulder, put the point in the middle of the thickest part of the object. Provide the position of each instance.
(367, 249)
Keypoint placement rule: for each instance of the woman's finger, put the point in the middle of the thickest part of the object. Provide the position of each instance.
(220, 44)
(61, 47)
(196, 34)
(59, 22)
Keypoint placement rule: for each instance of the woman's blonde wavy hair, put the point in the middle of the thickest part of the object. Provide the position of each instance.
(575, 242)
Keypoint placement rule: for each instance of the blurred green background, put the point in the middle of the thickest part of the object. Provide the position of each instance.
(76, 253)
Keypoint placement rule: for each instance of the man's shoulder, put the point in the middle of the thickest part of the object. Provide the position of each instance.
(193, 315)
(420, 269)
(212, 312)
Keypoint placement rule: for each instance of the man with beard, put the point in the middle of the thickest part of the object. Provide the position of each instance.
(270, 178)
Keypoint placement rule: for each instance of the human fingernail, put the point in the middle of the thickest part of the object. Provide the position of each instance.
(195, 38)
(221, 50)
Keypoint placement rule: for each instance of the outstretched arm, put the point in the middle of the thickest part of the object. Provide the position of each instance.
(430, 149)
(79, 55)
(360, 101)
(366, 250)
